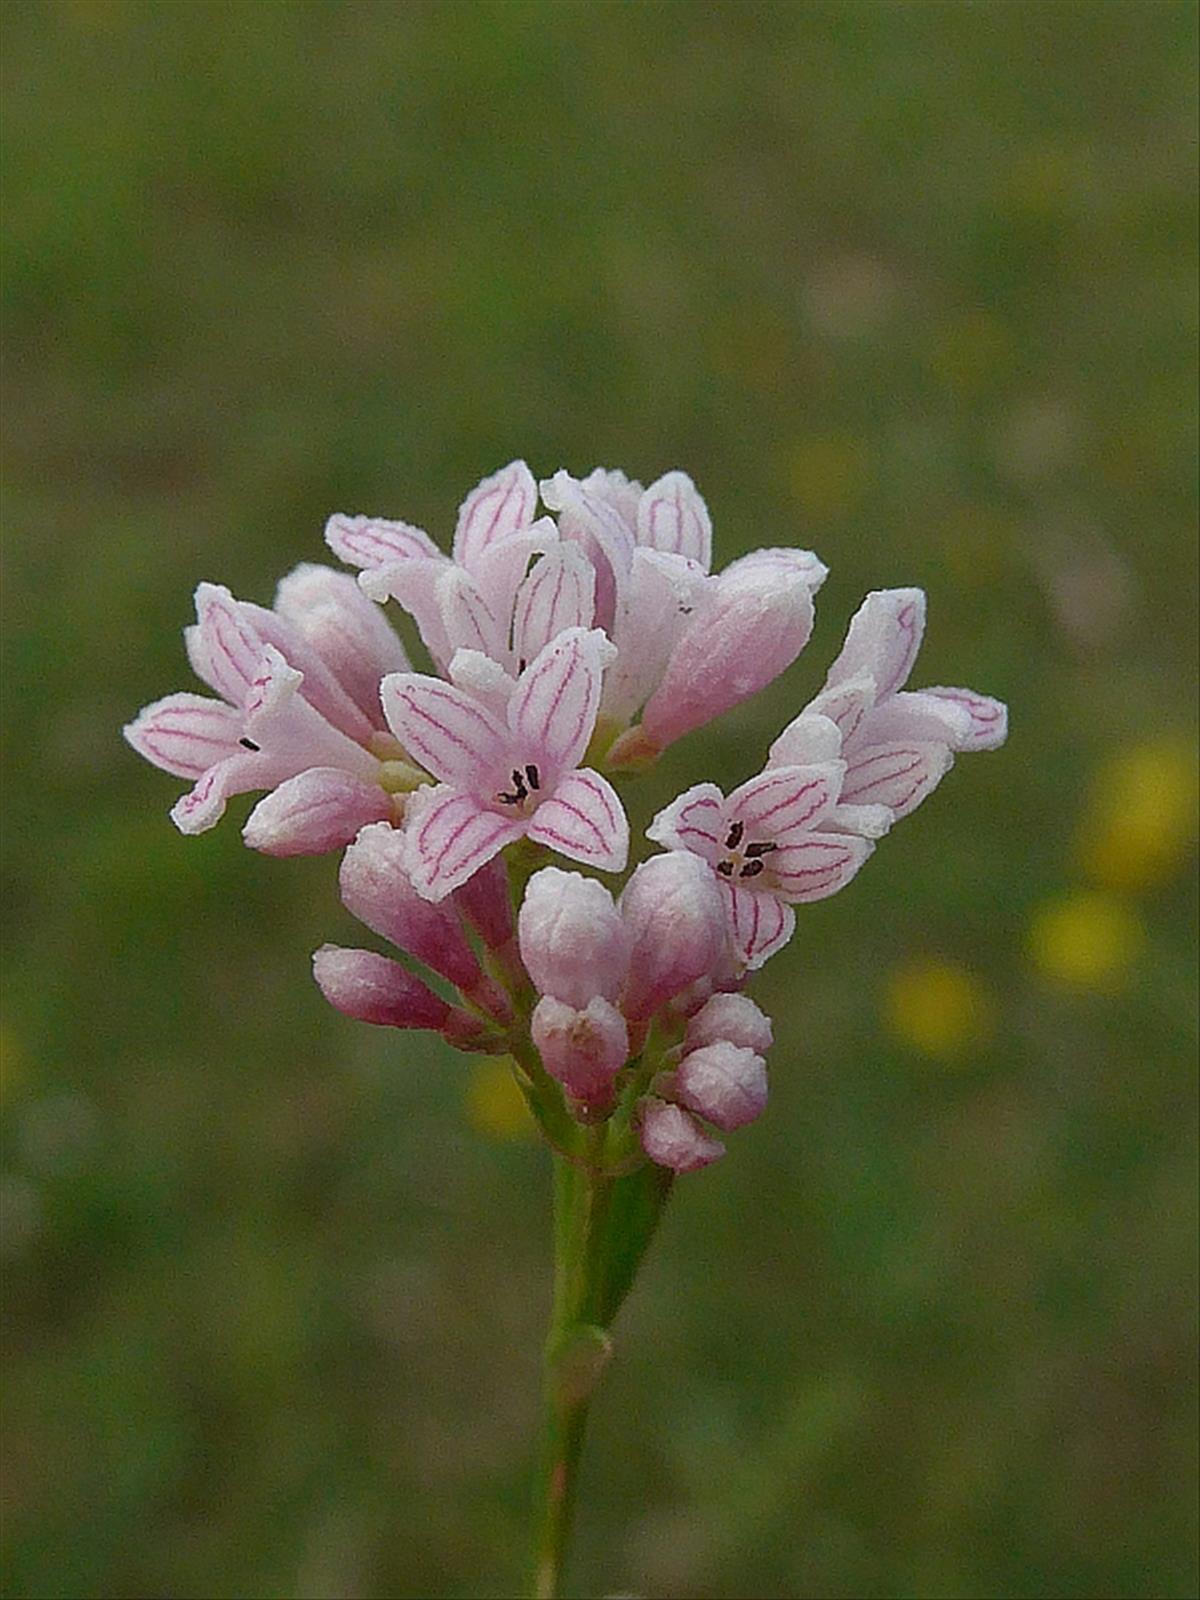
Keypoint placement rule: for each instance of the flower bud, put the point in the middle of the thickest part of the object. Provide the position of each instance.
(373, 989)
(752, 625)
(484, 901)
(376, 889)
(733, 1018)
(583, 1049)
(573, 940)
(672, 1138)
(675, 919)
(318, 810)
(724, 1083)
(350, 633)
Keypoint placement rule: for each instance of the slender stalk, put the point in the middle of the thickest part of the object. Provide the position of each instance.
(602, 1226)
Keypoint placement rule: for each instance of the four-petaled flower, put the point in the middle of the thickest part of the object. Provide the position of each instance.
(507, 755)
(770, 846)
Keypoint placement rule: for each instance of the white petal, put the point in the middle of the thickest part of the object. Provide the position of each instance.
(448, 836)
(584, 819)
(499, 505)
(185, 733)
(672, 517)
(803, 564)
(695, 820)
(782, 803)
(415, 585)
(318, 810)
(808, 738)
(922, 716)
(370, 542)
(469, 620)
(989, 718)
(760, 924)
(818, 865)
(559, 593)
(606, 539)
(290, 731)
(553, 712)
(884, 637)
(229, 646)
(848, 705)
(204, 805)
(662, 594)
(898, 775)
(484, 679)
(444, 728)
(870, 822)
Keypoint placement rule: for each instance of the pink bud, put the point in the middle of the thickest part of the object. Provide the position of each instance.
(485, 903)
(724, 1083)
(583, 1049)
(753, 624)
(376, 889)
(673, 1139)
(318, 810)
(733, 1018)
(675, 919)
(350, 633)
(573, 941)
(373, 989)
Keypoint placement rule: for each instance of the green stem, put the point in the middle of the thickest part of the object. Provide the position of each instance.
(602, 1226)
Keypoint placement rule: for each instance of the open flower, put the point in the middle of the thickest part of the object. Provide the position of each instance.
(769, 847)
(897, 745)
(284, 719)
(508, 760)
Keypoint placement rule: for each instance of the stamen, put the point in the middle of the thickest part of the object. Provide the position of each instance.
(735, 835)
(761, 849)
(725, 868)
(522, 793)
(752, 869)
(249, 744)
(531, 772)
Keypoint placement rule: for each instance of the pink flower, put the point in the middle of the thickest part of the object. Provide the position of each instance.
(372, 988)
(897, 745)
(724, 1083)
(508, 765)
(282, 716)
(768, 848)
(484, 597)
(574, 942)
(583, 1047)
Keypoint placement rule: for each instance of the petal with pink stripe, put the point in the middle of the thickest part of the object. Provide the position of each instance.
(672, 516)
(584, 819)
(759, 924)
(817, 866)
(883, 639)
(695, 820)
(553, 711)
(989, 718)
(448, 836)
(783, 803)
(558, 594)
(375, 542)
(185, 733)
(444, 728)
(496, 507)
(229, 645)
(898, 775)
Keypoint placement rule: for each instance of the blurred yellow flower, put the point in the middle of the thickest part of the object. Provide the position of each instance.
(828, 474)
(1085, 939)
(1140, 821)
(939, 1007)
(495, 1105)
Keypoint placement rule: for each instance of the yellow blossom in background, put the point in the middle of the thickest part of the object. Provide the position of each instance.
(939, 1007)
(1085, 939)
(828, 474)
(1140, 822)
(495, 1105)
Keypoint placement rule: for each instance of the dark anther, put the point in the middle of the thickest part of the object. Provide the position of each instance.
(522, 793)
(761, 849)
(725, 868)
(531, 772)
(752, 869)
(520, 666)
(735, 835)
(250, 744)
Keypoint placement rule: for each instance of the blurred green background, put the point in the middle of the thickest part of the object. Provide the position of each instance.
(911, 284)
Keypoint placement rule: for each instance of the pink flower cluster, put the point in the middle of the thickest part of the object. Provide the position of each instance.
(565, 647)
